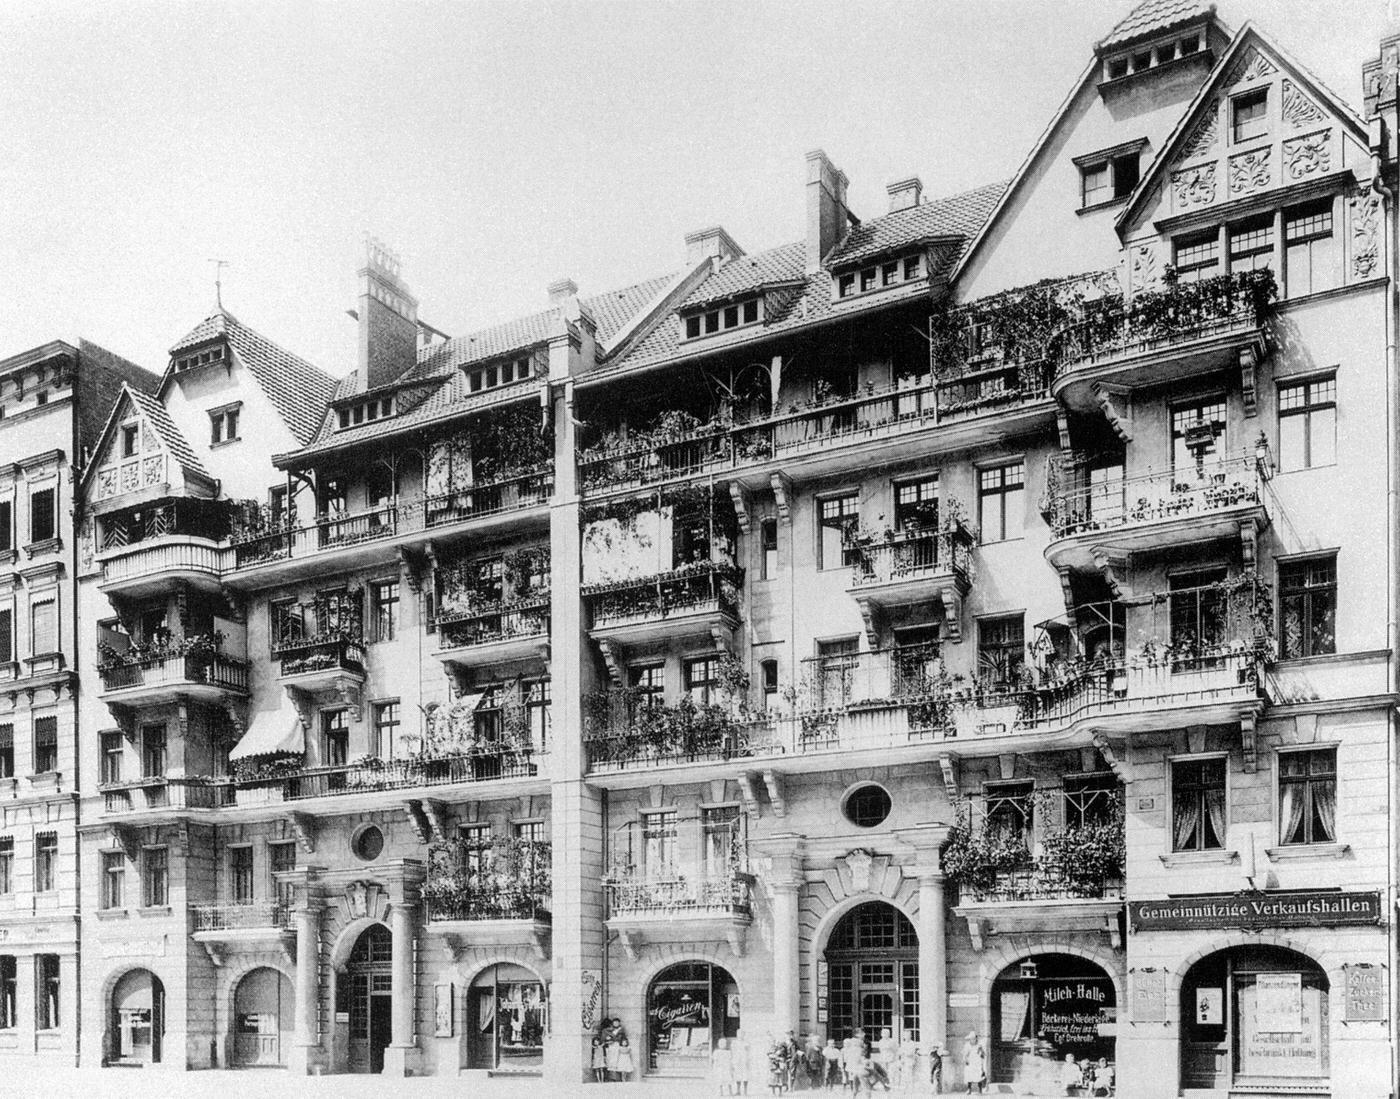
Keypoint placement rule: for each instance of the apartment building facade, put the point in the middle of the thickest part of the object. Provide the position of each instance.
(969, 620)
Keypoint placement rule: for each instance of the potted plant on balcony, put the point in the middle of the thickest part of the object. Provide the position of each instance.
(1087, 857)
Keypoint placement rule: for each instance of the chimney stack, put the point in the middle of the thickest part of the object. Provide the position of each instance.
(388, 315)
(561, 290)
(905, 193)
(826, 208)
(713, 244)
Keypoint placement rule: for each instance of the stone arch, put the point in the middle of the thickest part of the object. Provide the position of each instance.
(999, 954)
(347, 936)
(627, 1001)
(815, 935)
(107, 1015)
(470, 971)
(225, 1006)
(1228, 940)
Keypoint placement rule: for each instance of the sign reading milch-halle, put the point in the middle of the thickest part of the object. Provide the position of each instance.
(1249, 910)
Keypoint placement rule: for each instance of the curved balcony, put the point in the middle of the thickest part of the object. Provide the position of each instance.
(152, 566)
(1096, 526)
(694, 601)
(494, 633)
(180, 670)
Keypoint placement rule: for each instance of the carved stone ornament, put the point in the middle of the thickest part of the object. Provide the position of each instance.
(1365, 228)
(357, 900)
(1204, 137)
(858, 863)
(1250, 171)
(1298, 110)
(1252, 65)
(1194, 187)
(1309, 155)
(1143, 275)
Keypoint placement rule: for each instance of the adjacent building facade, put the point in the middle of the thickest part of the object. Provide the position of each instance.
(973, 620)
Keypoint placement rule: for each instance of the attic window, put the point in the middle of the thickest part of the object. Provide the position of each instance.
(498, 374)
(131, 436)
(880, 276)
(378, 408)
(1109, 180)
(723, 318)
(201, 358)
(1249, 115)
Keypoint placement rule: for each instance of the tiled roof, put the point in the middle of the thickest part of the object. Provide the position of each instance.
(811, 302)
(297, 389)
(1153, 17)
(154, 413)
(612, 311)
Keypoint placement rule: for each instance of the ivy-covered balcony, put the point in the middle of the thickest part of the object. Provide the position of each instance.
(494, 609)
(145, 550)
(628, 731)
(1098, 519)
(490, 894)
(1160, 337)
(161, 793)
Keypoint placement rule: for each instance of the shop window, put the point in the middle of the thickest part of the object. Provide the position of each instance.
(507, 1019)
(45, 862)
(1249, 115)
(1307, 424)
(1054, 1009)
(691, 1007)
(1310, 248)
(1197, 256)
(1001, 650)
(113, 879)
(155, 877)
(837, 517)
(47, 978)
(1307, 796)
(9, 987)
(240, 872)
(1308, 606)
(386, 728)
(1001, 502)
(1198, 804)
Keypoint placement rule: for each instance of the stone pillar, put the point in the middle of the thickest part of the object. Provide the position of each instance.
(305, 1040)
(786, 852)
(405, 877)
(933, 962)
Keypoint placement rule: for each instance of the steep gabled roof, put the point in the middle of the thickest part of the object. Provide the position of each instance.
(297, 389)
(1153, 17)
(153, 412)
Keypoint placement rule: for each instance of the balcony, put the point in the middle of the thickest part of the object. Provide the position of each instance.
(696, 600)
(247, 925)
(495, 633)
(490, 895)
(1163, 337)
(190, 668)
(150, 567)
(160, 794)
(1095, 527)
(315, 663)
(626, 733)
(913, 566)
(680, 905)
(354, 538)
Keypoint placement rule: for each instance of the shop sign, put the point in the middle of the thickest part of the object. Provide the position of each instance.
(592, 998)
(1071, 1012)
(1253, 910)
(1210, 1006)
(1281, 1027)
(1365, 1001)
(1278, 1002)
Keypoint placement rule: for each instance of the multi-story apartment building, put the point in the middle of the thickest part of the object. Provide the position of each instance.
(52, 400)
(973, 620)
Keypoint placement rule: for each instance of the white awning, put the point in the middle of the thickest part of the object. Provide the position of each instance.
(271, 734)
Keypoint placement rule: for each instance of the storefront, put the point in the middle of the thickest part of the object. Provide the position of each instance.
(262, 1019)
(690, 1006)
(1047, 1008)
(507, 1019)
(138, 1019)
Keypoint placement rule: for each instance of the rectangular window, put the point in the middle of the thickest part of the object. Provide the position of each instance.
(1198, 257)
(1091, 799)
(1010, 811)
(1308, 607)
(916, 504)
(475, 840)
(45, 744)
(751, 311)
(1097, 185)
(489, 721)
(384, 599)
(153, 751)
(386, 728)
(9, 982)
(7, 634)
(648, 685)
(1198, 614)
(1307, 424)
(286, 624)
(913, 267)
(723, 840)
(837, 517)
(702, 680)
(223, 426)
(155, 877)
(43, 627)
(7, 865)
(46, 982)
(1307, 796)
(1001, 650)
(282, 857)
(7, 751)
(335, 738)
(1001, 502)
(1249, 115)
(769, 669)
(537, 700)
(1197, 428)
(659, 842)
(1310, 249)
(837, 661)
(113, 879)
(7, 541)
(240, 874)
(1198, 804)
(768, 533)
(41, 515)
(1252, 244)
(113, 753)
(46, 862)
(846, 286)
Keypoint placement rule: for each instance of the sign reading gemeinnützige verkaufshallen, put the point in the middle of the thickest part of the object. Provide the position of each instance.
(1255, 910)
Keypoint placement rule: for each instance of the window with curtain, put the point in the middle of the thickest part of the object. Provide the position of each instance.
(240, 869)
(43, 627)
(45, 862)
(1308, 606)
(45, 744)
(1307, 796)
(837, 517)
(660, 838)
(46, 972)
(1198, 804)
(722, 846)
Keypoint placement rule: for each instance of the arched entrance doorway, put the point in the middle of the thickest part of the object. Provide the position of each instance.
(364, 992)
(690, 1007)
(262, 1019)
(138, 1019)
(507, 1019)
(1251, 1015)
(872, 961)
(1047, 1007)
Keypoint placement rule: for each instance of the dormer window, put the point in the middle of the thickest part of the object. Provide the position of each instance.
(498, 374)
(1152, 56)
(1109, 175)
(723, 318)
(376, 408)
(200, 358)
(880, 276)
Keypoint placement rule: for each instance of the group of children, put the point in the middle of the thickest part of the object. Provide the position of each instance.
(857, 1065)
(612, 1053)
(1087, 1077)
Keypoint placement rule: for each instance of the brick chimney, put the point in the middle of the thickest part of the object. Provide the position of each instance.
(713, 244)
(905, 193)
(388, 316)
(826, 208)
(561, 290)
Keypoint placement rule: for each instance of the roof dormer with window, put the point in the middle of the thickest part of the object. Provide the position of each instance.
(881, 273)
(720, 317)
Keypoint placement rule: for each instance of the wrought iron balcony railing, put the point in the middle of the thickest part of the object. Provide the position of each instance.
(911, 555)
(1041, 881)
(319, 654)
(690, 589)
(239, 916)
(489, 623)
(502, 880)
(624, 734)
(174, 666)
(634, 894)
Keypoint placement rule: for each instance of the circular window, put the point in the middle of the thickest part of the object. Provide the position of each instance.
(370, 843)
(867, 806)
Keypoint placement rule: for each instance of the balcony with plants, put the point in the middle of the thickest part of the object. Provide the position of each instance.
(142, 670)
(493, 610)
(1158, 337)
(497, 469)
(145, 550)
(318, 645)
(928, 558)
(680, 879)
(495, 893)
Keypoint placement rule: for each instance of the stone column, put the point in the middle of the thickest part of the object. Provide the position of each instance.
(927, 841)
(305, 1041)
(401, 1058)
(786, 852)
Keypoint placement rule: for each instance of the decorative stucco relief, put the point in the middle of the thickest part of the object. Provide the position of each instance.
(1204, 136)
(1298, 110)
(1250, 171)
(1252, 65)
(1365, 231)
(1308, 155)
(1193, 187)
(1143, 273)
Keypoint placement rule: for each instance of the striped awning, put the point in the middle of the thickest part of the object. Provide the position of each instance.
(278, 733)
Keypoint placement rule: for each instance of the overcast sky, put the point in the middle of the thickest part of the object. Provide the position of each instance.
(497, 147)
